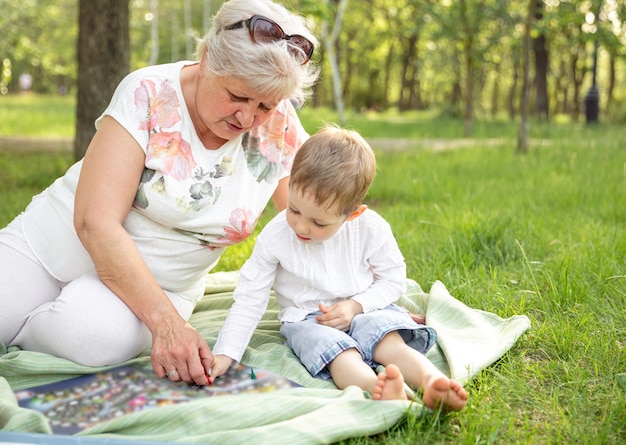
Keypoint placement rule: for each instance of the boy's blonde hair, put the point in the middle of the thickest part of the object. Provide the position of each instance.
(335, 167)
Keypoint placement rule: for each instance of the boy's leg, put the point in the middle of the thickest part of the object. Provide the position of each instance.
(316, 345)
(329, 353)
(348, 368)
(390, 385)
(419, 372)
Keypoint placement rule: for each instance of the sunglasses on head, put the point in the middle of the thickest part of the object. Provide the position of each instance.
(264, 30)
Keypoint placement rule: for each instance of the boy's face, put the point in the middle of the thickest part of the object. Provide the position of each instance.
(310, 221)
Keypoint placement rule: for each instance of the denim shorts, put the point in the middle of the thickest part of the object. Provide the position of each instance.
(317, 345)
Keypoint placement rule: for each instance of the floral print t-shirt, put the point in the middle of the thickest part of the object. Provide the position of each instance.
(193, 202)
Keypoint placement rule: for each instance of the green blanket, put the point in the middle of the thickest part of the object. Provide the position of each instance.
(468, 341)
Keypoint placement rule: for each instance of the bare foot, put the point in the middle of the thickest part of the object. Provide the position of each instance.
(390, 385)
(441, 391)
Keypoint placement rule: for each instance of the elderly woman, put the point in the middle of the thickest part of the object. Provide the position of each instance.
(111, 258)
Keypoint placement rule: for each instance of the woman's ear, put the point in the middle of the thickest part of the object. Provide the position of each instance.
(202, 65)
(358, 212)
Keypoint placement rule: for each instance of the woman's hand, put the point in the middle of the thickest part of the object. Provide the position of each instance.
(281, 194)
(339, 315)
(181, 354)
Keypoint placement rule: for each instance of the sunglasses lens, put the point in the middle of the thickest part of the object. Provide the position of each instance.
(263, 30)
(303, 43)
(266, 32)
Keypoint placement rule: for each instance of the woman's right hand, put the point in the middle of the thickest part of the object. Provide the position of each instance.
(181, 354)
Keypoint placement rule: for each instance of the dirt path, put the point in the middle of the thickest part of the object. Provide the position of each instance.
(65, 144)
(36, 143)
(390, 144)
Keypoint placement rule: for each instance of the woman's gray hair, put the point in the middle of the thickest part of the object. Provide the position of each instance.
(267, 68)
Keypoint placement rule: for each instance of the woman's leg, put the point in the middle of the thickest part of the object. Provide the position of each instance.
(88, 324)
(24, 283)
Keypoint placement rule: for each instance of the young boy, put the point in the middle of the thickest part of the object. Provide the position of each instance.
(336, 270)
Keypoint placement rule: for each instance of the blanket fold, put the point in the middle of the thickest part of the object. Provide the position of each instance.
(468, 341)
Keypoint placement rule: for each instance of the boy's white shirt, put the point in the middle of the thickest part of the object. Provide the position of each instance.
(361, 261)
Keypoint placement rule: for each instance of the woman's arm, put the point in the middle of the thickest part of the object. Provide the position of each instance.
(109, 178)
(281, 194)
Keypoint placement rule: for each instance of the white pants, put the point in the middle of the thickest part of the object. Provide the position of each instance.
(82, 321)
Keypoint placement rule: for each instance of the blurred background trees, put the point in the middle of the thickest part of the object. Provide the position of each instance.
(462, 58)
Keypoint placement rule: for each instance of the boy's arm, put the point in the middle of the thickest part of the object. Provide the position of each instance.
(389, 270)
(250, 300)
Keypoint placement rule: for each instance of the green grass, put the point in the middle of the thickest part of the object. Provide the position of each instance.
(36, 115)
(542, 235)
(23, 175)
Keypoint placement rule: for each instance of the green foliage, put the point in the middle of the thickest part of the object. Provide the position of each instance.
(38, 37)
(541, 234)
(411, 54)
(392, 124)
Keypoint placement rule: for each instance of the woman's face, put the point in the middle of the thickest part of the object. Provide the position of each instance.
(227, 107)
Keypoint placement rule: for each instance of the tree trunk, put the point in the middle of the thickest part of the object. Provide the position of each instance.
(468, 112)
(612, 80)
(541, 69)
(347, 68)
(456, 95)
(559, 92)
(206, 16)
(371, 97)
(415, 97)
(513, 91)
(387, 76)
(578, 75)
(103, 60)
(468, 49)
(522, 139)
(495, 93)
(330, 40)
(154, 32)
(174, 37)
(189, 47)
(404, 102)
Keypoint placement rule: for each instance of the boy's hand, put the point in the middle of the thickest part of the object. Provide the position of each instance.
(221, 363)
(339, 315)
(418, 318)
